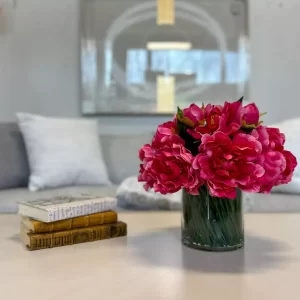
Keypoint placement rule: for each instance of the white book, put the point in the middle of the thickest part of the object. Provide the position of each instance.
(65, 207)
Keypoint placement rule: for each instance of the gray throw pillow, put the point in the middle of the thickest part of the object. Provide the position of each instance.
(62, 152)
(14, 169)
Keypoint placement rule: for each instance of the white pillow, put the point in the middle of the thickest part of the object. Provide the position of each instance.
(291, 130)
(131, 194)
(62, 152)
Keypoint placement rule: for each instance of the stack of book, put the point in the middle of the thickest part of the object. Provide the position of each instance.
(62, 221)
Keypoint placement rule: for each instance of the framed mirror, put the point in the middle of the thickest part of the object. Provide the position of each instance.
(149, 57)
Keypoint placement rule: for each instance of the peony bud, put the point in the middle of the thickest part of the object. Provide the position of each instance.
(251, 116)
(192, 116)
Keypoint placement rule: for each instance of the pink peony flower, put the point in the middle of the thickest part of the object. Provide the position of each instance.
(276, 138)
(274, 164)
(222, 189)
(270, 138)
(232, 151)
(166, 129)
(227, 164)
(212, 116)
(262, 135)
(146, 152)
(291, 164)
(231, 118)
(194, 182)
(249, 173)
(246, 146)
(167, 167)
(213, 142)
(192, 116)
(250, 114)
(278, 163)
(198, 132)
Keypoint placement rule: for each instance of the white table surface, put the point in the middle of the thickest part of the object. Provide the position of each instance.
(151, 264)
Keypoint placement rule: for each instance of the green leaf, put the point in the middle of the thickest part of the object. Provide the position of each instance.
(241, 99)
(179, 112)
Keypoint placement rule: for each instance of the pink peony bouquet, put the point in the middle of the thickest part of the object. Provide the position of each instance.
(223, 147)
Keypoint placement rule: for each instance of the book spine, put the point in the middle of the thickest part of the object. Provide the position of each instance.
(70, 210)
(76, 236)
(84, 221)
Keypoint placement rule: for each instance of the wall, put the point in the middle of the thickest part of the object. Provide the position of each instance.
(6, 75)
(43, 67)
(39, 63)
(275, 42)
(39, 66)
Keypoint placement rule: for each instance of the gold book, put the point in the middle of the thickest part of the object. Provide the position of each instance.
(37, 241)
(36, 226)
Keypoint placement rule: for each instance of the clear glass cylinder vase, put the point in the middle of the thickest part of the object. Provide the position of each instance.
(211, 223)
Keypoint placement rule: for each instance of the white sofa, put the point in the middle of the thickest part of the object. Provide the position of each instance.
(120, 154)
(121, 157)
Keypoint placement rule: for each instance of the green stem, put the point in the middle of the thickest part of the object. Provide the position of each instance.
(212, 223)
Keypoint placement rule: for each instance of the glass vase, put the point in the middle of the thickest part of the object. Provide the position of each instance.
(211, 223)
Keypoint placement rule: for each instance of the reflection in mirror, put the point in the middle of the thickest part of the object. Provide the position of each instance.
(150, 57)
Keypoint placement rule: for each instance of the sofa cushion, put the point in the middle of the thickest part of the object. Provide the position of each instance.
(132, 195)
(62, 152)
(14, 170)
(291, 130)
(121, 154)
(271, 203)
(9, 198)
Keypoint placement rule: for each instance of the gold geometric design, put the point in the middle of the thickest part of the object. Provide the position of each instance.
(165, 12)
(165, 93)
